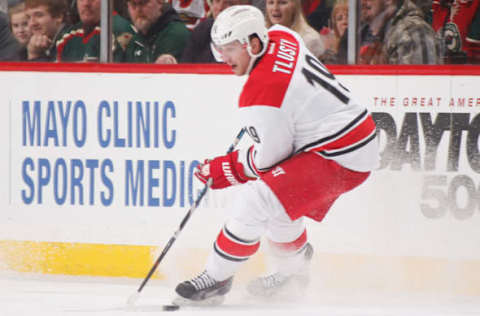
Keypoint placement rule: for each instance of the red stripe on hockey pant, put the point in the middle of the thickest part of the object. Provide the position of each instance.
(292, 246)
(233, 248)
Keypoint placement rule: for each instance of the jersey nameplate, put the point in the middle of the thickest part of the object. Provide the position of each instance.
(285, 59)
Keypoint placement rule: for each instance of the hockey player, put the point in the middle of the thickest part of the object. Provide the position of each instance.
(312, 143)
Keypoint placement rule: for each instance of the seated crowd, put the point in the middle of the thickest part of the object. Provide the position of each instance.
(178, 31)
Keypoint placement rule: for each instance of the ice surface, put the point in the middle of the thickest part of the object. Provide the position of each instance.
(38, 295)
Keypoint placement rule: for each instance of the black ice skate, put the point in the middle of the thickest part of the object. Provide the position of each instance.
(202, 290)
(277, 284)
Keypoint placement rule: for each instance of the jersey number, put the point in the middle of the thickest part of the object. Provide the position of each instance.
(321, 71)
(253, 134)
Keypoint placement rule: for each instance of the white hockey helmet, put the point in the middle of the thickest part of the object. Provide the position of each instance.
(238, 23)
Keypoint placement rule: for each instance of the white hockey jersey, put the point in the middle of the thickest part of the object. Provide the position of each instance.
(291, 103)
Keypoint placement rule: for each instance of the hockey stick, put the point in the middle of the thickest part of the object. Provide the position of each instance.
(133, 298)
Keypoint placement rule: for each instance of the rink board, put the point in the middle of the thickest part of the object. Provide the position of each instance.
(98, 161)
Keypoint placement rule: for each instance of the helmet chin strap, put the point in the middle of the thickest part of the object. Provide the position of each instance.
(254, 57)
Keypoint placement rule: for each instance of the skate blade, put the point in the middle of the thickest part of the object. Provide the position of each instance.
(208, 302)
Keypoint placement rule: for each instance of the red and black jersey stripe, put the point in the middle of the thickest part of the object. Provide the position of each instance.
(356, 134)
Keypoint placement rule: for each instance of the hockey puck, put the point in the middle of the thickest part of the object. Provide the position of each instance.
(171, 307)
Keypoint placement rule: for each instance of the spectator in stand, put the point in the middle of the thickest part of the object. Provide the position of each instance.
(200, 48)
(120, 7)
(19, 23)
(9, 47)
(405, 36)
(191, 12)
(336, 36)
(373, 18)
(46, 22)
(161, 35)
(408, 38)
(289, 13)
(81, 42)
(458, 26)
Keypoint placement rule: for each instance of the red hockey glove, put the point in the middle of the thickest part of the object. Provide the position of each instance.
(224, 171)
